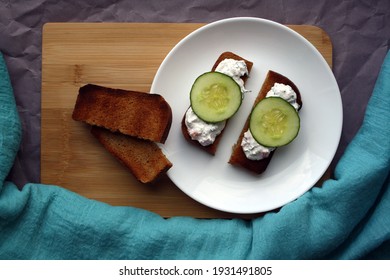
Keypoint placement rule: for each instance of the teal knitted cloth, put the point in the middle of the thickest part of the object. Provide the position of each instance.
(347, 218)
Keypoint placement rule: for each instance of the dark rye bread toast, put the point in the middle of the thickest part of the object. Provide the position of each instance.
(211, 149)
(142, 157)
(122, 121)
(238, 156)
(145, 116)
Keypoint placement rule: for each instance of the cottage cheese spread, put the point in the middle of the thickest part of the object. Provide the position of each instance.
(285, 92)
(204, 133)
(252, 149)
(235, 69)
(201, 131)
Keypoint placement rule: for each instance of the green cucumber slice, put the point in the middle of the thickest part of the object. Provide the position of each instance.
(215, 97)
(274, 122)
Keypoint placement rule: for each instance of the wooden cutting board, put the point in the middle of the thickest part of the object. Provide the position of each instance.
(119, 55)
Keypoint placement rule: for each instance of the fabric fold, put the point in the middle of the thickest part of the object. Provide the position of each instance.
(10, 126)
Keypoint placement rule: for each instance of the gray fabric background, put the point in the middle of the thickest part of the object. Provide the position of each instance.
(359, 31)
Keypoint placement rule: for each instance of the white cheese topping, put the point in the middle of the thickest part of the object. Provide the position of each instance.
(201, 131)
(204, 133)
(252, 149)
(285, 92)
(235, 69)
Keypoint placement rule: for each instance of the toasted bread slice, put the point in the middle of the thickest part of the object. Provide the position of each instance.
(211, 149)
(142, 157)
(146, 116)
(238, 156)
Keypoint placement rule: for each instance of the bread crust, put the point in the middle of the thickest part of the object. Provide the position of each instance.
(150, 114)
(128, 123)
(143, 158)
(211, 149)
(238, 156)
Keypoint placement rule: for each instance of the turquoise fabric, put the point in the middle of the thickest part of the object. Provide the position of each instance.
(347, 218)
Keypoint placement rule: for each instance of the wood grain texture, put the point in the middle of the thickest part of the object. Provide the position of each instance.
(118, 55)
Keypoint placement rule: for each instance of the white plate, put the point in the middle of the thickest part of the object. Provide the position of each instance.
(295, 168)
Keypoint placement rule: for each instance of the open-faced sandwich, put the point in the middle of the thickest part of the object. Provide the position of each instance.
(273, 122)
(215, 97)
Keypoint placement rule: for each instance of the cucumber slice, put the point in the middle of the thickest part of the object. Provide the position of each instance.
(274, 122)
(215, 97)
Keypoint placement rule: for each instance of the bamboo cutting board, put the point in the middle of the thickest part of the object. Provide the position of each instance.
(119, 55)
